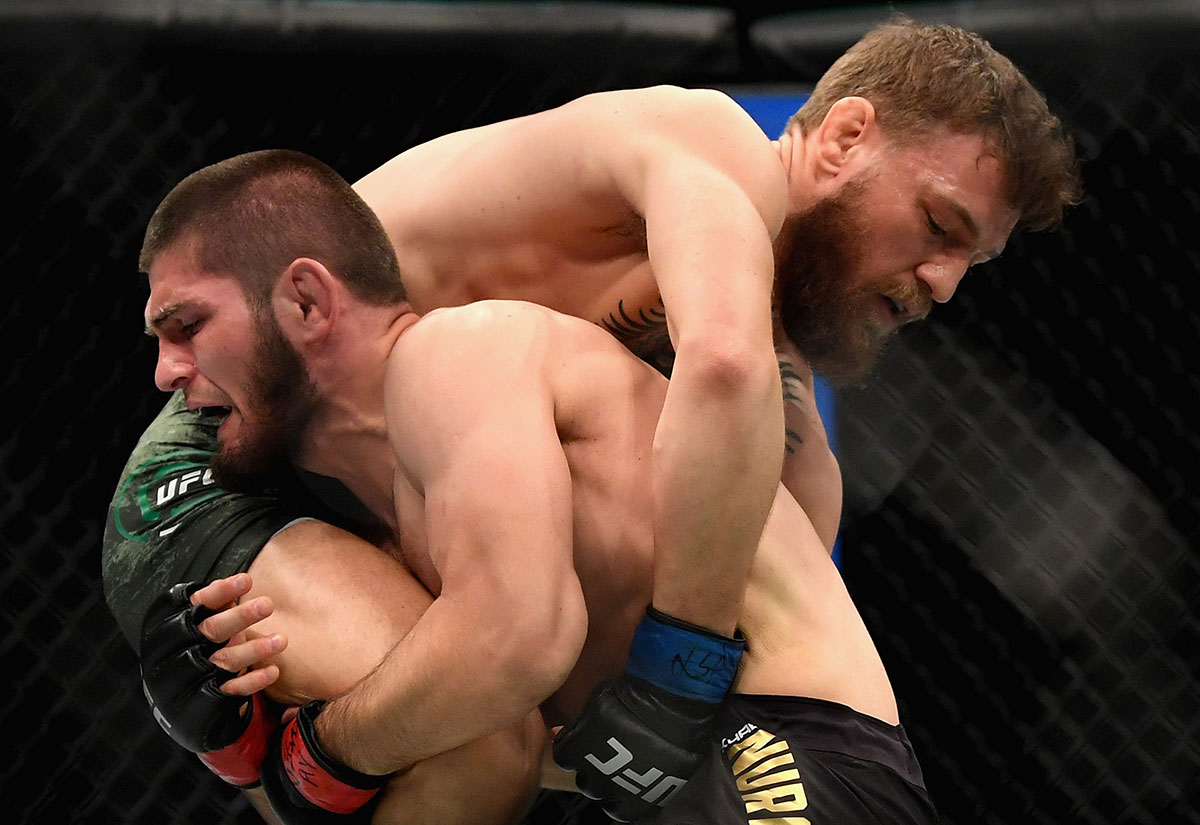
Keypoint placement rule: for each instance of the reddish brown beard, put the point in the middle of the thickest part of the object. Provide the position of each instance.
(832, 326)
(281, 398)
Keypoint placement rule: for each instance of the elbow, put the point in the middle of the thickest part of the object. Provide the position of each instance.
(724, 365)
(546, 641)
(564, 629)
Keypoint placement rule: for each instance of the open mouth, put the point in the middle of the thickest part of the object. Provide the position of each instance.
(214, 412)
(898, 309)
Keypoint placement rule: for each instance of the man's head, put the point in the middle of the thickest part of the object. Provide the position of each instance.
(924, 148)
(218, 251)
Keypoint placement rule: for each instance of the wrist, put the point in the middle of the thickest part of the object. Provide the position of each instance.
(240, 763)
(683, 658)
(317, 777)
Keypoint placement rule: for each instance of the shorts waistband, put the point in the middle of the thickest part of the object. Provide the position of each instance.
(820, 725)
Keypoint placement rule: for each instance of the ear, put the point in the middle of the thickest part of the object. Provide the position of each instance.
(306, 301)
(848, 130)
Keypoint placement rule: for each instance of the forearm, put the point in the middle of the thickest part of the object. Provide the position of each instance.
(492, 781)
(718, 448)
(459, 676)
(716, 466)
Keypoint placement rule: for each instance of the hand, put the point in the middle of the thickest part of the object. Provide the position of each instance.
(643, 735)
(306, 786)
(190, 656)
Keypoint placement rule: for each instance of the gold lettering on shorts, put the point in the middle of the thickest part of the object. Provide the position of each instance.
(761, 764)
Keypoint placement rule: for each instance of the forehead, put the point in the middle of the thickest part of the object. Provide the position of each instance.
(961, 170)
(177, 282)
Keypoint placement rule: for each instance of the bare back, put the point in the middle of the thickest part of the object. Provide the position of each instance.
(548, 209)
(544, 208)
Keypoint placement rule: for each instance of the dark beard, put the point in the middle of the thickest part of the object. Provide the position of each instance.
(282, 400)
(830, 324)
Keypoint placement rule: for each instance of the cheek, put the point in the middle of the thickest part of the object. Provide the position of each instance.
(895, 245)
(226, 368)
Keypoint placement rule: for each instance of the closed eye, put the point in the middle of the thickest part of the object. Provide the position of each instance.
(934, 227)
(185, 331)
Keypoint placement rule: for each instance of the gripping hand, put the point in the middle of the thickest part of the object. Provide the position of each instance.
(306, 786)
(184, 690)
(642, 735)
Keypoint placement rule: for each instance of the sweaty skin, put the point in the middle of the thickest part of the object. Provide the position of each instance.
(805, 637)
(590, 411)
(651, 213)
(656, 214)
(634, 246)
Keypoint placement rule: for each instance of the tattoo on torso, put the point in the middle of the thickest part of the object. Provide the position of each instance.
(644, 335)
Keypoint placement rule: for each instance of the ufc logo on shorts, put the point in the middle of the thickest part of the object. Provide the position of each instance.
(652, 785)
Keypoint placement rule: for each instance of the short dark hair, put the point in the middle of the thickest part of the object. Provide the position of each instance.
(921, 77)
(253, 214)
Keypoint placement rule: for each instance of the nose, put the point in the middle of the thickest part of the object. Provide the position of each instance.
(174, 369)
(942, 274)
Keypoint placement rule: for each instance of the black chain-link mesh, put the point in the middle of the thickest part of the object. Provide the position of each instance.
(1023, 505)
(1022, 498)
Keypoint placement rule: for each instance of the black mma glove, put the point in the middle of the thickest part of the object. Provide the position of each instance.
(306, 786)
(642, 736)
(184, 691)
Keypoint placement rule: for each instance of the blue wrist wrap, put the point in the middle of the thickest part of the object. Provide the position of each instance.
(684, 659)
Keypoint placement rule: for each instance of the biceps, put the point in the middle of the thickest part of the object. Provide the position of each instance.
(501, 538)
(502, 508)
(711, 251)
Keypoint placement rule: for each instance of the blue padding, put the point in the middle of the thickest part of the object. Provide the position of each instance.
(684, 662)
(771, 110)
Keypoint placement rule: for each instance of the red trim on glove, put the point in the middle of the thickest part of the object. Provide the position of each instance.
(314, 782)
(240, 763)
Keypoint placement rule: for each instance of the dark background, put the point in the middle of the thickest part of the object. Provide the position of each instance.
(1021, 487)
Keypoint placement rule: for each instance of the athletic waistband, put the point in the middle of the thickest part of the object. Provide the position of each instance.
(819, 725)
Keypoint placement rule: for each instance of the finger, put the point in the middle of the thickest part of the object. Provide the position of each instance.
(220, 592)
(223, 625)
(236, 658)
(251, 682)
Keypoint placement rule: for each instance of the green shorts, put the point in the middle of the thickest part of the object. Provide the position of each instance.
(169, 522)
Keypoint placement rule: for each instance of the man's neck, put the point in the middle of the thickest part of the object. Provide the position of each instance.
(347, 436)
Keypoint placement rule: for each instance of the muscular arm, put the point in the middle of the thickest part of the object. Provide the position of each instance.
(342, 605)
(556, 201)
(712, 194)
(479, 441)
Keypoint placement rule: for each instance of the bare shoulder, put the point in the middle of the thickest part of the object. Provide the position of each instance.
(457, 370)
(484, 337)
(659, 103)
(474, 324)
(504, 343)
(690, 118)
(676, 135)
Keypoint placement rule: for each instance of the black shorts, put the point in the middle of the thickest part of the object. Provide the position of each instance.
(168, 522)
(783, 760)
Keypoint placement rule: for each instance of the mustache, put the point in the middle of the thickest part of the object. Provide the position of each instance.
(916, 298)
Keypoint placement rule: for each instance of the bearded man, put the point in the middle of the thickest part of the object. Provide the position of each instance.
(667, 217)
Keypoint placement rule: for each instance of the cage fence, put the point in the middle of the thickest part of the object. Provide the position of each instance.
(1022, 504)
